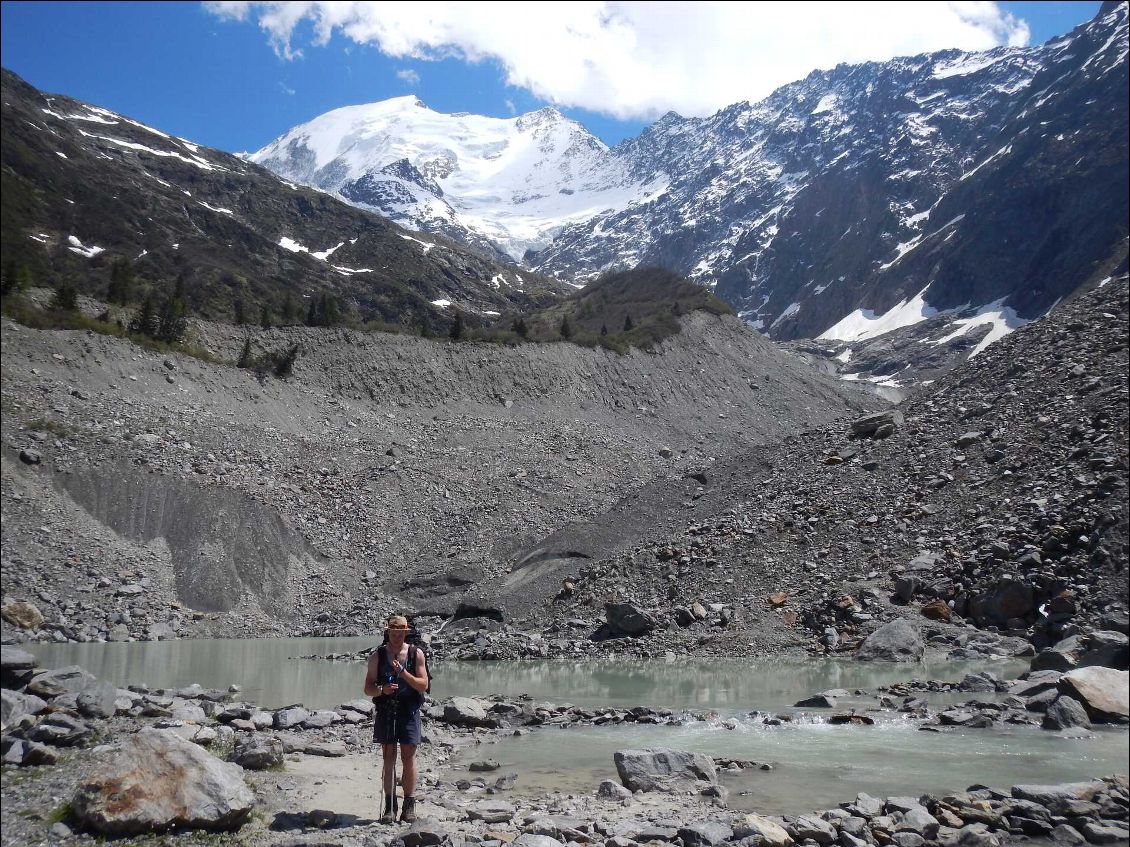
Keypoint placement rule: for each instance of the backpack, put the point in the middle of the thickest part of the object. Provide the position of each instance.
(416, 646)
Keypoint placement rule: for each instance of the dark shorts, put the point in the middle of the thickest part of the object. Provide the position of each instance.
(396, 724)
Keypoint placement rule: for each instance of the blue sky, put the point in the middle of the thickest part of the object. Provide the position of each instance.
(203, 73)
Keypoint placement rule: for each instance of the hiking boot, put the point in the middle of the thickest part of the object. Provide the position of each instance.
(389, 817)
(409, 813)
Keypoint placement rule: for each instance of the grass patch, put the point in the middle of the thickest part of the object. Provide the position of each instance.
(23, 312)
(60, 814)
(45, 425)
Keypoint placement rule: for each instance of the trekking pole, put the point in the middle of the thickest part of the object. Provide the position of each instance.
(394, 803)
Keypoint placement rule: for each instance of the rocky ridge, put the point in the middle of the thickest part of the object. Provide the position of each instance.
(996, 498)
(386, 463)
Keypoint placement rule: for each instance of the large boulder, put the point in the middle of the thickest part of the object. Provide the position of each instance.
(663, 769)
(98, 701)
(769, 832)
(258, 753)
(1104, 692)
(1059, 799)
(68, 680)
(705, 834)
(1009, 598)
(1064, 713)
(22, 614)
(464, 711)
(14, 705)
(628, 619)
(16, 666)
(157, 782)
(897, 641)
(877, 425)
(1106, 649)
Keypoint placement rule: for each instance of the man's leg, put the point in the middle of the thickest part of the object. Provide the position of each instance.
(408, 778)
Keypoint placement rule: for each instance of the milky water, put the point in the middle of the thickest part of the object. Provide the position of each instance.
(814, 764)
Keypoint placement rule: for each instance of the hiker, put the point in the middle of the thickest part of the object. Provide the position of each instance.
(396, 679)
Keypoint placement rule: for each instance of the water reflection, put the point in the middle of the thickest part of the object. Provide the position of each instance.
(267, 672)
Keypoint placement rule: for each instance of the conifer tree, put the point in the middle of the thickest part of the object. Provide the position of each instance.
(244, 360)
(265, 316)
(121, 282)
(604, 329)
(628, 325)
(65, 298)
(285, 365)
(173, 321)
(521, 329)
(289, 310)
(145, 319)
(457, 327)
(566, 329)
(238, 312)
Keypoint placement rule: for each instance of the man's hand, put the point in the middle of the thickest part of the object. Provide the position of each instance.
(389, 688)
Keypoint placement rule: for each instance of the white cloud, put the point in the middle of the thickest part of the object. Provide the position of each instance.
(286, 89)
(638, 60)
(408, 76)
(510, 106)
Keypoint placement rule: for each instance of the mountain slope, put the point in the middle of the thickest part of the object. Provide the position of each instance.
(83, 186)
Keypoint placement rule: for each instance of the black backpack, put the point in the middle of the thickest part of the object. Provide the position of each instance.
(415, 643)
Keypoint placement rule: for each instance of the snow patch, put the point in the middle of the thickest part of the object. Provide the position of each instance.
(442, 303)
(78, 247)
(216, 208)
(288, 243)
(845, 356)
(1003, 320)
(427, 246)
(325, 254)
(864, 324)
(965, 65)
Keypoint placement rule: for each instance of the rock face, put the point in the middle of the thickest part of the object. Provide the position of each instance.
(897, 641)
(158, 781)
(663, 769)
(1104, 692)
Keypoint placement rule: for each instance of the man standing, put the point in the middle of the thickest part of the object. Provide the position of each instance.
(396, 679)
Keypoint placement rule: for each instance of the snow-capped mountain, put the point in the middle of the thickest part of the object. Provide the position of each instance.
(508, 184)
(873, 196)
(978, 188)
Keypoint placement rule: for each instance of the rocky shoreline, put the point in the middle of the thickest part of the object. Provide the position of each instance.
(71, 742)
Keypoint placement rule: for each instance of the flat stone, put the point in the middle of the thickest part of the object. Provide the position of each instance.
(491, 811)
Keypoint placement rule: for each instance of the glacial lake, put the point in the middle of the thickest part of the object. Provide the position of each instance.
(814, 764)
